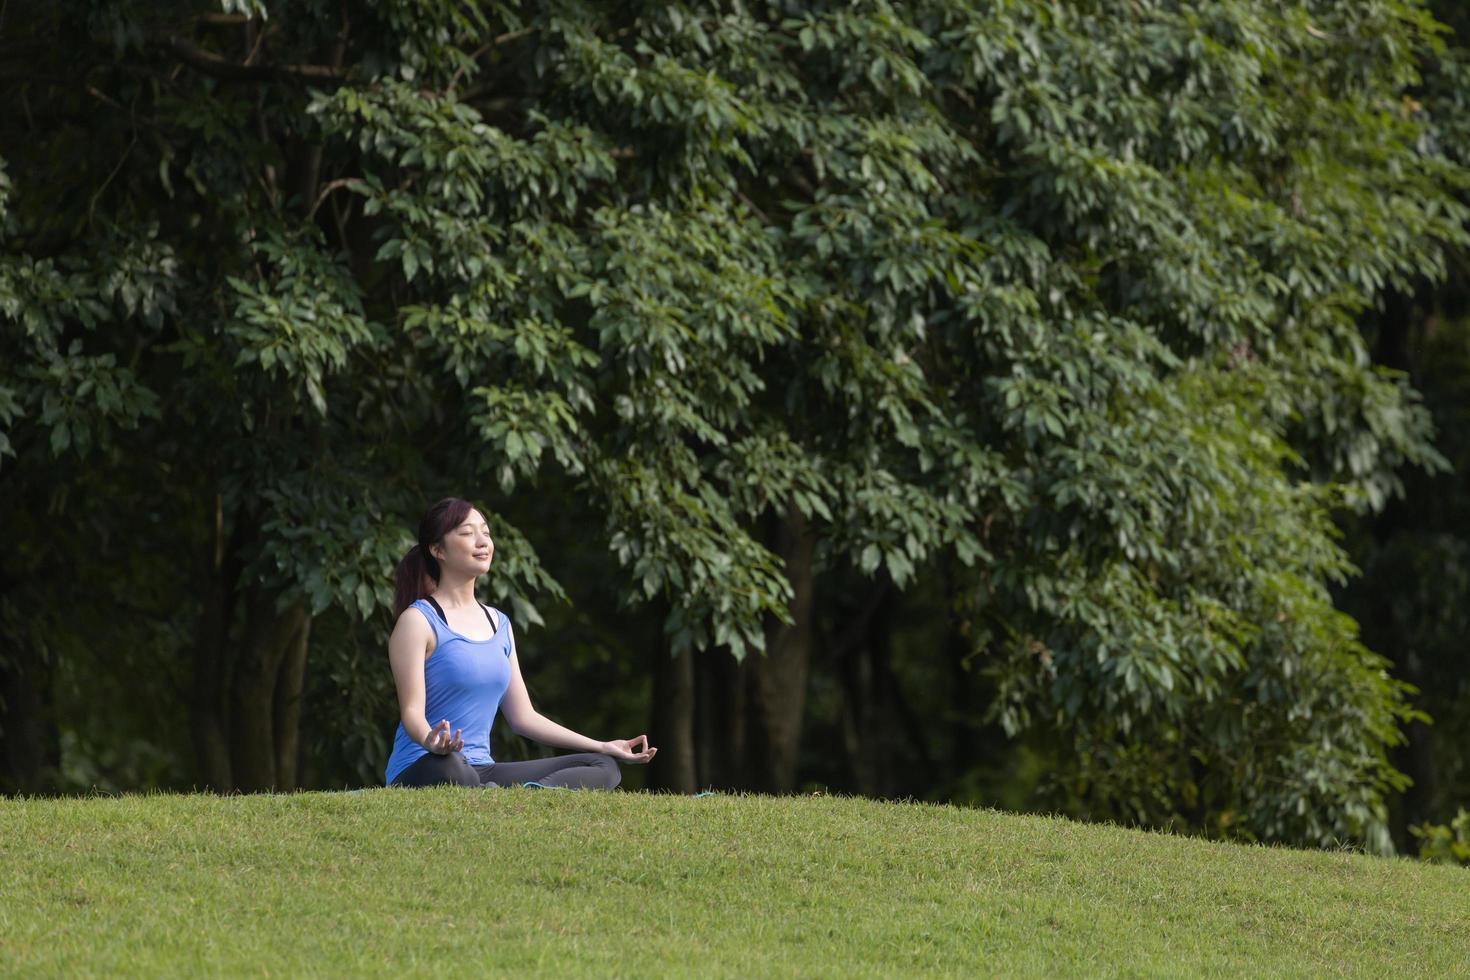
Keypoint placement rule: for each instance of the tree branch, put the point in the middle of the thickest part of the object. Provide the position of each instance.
(332, 186)
(212, 64)
(505, 38)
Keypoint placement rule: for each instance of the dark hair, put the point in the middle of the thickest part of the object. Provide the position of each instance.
(418, 572)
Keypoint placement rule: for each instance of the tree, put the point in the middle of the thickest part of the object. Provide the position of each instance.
(1412, 596)
(1058, 299)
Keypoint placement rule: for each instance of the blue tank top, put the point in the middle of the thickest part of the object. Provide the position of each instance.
(464, 681)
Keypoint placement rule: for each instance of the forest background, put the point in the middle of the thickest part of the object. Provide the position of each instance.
(1047, 406)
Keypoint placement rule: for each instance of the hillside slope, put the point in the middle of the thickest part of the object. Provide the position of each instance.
(442, 880)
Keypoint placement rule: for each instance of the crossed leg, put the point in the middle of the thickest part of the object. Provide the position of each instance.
(430, 769)
(584, 770)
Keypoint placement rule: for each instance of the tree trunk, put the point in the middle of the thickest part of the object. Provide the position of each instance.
(910, 780)
(855, 668)
(720, 686)
(672, 729)
(270, 635)
(777, 681)
(853, 655)
(963, 744)
(287, 707)
(31, 760)
(209, 710)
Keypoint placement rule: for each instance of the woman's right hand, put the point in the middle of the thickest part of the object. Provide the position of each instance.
(440, 742)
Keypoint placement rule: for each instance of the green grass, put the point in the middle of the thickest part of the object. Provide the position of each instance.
(454, 883)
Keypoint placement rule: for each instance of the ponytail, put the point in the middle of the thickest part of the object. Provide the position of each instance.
(415, 579)
(417, 574)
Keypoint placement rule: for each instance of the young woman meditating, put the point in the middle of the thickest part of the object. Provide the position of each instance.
(454, 659)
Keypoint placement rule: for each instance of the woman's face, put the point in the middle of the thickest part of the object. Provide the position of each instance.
(467, 549)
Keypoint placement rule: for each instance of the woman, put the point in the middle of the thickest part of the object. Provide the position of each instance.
(455, 659)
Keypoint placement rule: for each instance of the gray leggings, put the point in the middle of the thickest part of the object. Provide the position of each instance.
(585, 770)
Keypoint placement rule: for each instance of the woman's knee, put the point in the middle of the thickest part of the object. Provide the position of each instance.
(612, 775)
(460, 772)
(450, 769)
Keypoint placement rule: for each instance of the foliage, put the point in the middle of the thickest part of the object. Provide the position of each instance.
(1414, 593)
(1064, 293)
(1445, 845)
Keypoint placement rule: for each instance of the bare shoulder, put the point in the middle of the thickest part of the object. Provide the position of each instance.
(412, 631)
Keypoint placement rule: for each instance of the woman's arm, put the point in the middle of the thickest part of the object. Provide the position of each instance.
(408, 647)
(527, 721)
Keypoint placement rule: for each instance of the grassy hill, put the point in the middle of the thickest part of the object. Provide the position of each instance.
(453, 883)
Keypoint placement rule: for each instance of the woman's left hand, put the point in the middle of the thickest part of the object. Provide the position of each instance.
(626, 749)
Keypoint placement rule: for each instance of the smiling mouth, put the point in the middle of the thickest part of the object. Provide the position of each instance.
(483, 555)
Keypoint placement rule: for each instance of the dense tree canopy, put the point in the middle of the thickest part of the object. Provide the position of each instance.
(1415, 588)
(1053, 309)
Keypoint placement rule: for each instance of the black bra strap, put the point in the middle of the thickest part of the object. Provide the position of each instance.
(440, 610)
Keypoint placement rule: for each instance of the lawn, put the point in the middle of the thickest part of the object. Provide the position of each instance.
(455, 883)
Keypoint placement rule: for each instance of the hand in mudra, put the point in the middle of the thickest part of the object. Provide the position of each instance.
(440, 742)
(626, 749)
